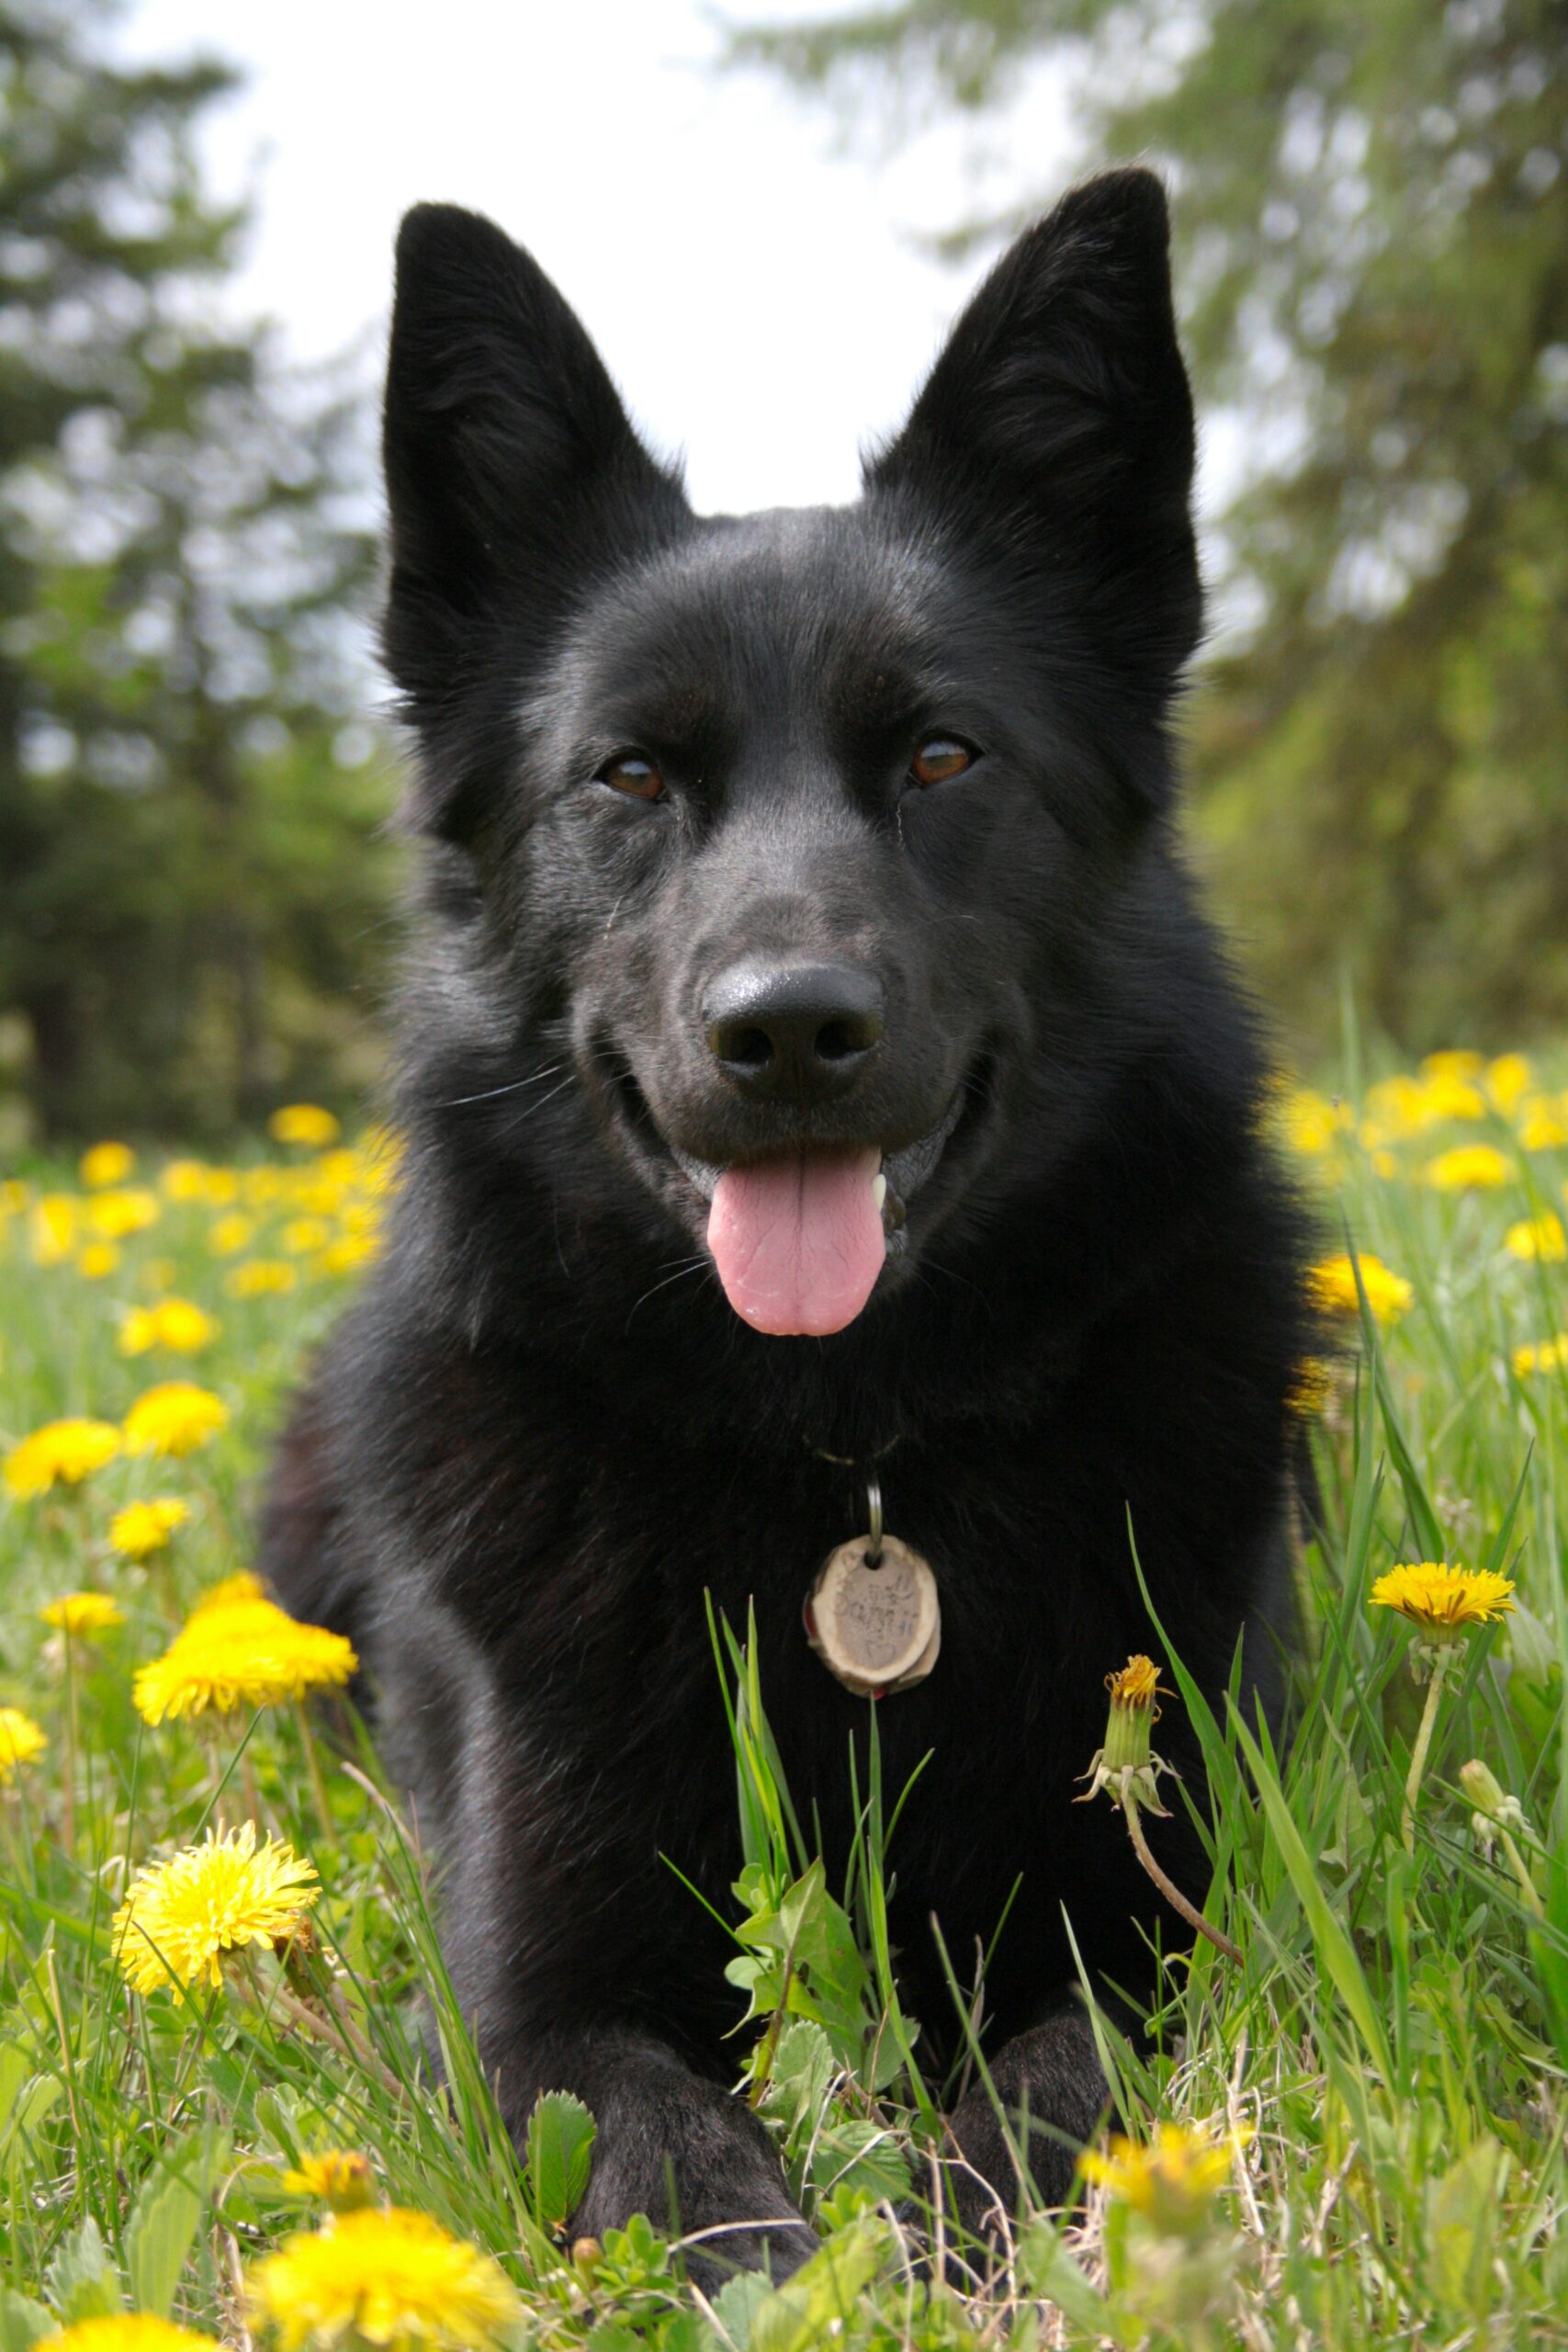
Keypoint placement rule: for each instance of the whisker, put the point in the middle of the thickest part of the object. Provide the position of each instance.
(691, 1266)
(537, 1078)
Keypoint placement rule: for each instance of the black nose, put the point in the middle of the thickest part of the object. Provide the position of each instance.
(794, 1033)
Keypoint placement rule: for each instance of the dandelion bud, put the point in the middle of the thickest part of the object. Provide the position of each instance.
(587, 2254)
(1495, 1809)
(1127, 1765)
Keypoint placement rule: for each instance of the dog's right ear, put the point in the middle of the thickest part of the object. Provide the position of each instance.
(512, 469)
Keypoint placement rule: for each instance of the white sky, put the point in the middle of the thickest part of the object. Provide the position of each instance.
(754, 288)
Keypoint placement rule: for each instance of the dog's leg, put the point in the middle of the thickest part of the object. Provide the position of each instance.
(1053, 2072)
(670, 2145)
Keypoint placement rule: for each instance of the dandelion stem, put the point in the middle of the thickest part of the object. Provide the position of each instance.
(1168, 1887)
(68, 1760)
(1528, 1887)
(1418, 1755)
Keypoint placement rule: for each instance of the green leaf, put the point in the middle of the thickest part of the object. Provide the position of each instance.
(821, 2299)
(25, 2107)
(1335, 1951)
(560, 2144)
(159, 2237)
(81, 2279)
(1049, 2272)
(1462, 2222)
(737, 2303)
(22, 2321)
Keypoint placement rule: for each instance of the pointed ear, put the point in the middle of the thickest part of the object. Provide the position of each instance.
(1058, 428)
(512, 471)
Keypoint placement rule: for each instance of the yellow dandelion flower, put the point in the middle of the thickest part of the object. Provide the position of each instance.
(340, 1169)
(238, 1649)
(260, 1277)
(261, 1187)
(1507, 1079)
(392, 2277)
(60, 1453)
(141, 1529)
(97, 1260)
(380, 1154)
(1402, 1106)
(82, 1613)
(184, 1179)
(1312, 1124)
(1469, 1167)
(1538, 1237)
(1542, 1355)
(220, 1187)
(303, 1234)
(230, 1235)
(1440, 1600)
(1172, 2180)
(346, 1254)
(52, 1229)
(126, 2331)
(180, 1916)
(114, 1214)
(228, 1593)
(341, 2176)
(1542, 1124)
(107, 1164)
(1451, 1063)
(20, 1741)
(1332, 1285)
(1311, 1389)
(176, 1417)
(176, 1324)
(304, 1122)
(1135, 1685)
(14, 1196)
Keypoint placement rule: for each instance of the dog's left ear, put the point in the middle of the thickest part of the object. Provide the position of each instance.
(1056, 429)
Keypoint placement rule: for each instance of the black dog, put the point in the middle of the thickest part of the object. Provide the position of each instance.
(817, 1068)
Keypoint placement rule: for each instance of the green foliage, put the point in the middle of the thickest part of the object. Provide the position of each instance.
(1393, 2039)
(1372, 210)
(560, 2154)
(194, 883)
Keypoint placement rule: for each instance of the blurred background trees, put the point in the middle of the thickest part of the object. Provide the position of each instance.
(1371, 208)
(194, 885)
(197, 892)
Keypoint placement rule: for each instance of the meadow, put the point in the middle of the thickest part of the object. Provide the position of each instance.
(220, 1988)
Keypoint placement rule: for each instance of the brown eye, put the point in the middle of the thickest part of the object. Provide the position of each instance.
(634, 774)
(942, 758)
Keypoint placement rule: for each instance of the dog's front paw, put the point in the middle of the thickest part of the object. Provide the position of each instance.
(700, 2166)
(1049, 2082)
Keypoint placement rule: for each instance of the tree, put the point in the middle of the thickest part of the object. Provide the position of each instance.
(192, 881)
(1371, 208)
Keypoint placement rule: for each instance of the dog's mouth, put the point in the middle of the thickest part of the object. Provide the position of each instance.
(800, 1239)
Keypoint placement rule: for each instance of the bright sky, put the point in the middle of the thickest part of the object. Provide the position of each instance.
(753, 285)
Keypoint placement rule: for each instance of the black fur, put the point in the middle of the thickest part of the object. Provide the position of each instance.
(543, 1431)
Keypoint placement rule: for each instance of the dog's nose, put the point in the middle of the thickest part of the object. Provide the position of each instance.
(793, 1033)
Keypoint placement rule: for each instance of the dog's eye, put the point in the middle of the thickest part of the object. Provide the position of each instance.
(631, 773)
(940, 758)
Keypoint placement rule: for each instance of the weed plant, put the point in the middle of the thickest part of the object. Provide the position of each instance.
(1353, 2134)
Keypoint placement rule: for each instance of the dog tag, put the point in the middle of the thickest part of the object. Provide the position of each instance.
(878, 1629)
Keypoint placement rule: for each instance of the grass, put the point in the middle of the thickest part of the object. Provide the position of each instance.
(1382, 2075)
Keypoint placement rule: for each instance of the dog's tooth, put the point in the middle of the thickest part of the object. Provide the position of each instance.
(879, 1190)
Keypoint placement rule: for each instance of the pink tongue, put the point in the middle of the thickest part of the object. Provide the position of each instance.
(799, 1242)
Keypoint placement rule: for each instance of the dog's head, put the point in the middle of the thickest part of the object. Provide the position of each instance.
(809, 844)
